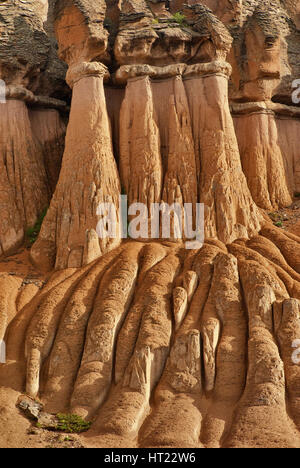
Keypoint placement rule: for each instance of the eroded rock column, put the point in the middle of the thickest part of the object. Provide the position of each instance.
(230, 211)
(88, 177)
(180, 181)
(24, 187)
(288, 140)
(50, 131)
(157, 158)
(262, 159)
(140, 158)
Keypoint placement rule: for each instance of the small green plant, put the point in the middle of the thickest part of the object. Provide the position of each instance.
(278, 218)
(155, 21)
(71, 423)
(33, 232)
(297, 194)
(178, 18)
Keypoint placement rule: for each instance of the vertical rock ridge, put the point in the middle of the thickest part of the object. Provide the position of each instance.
(140, 158)
(262, 160)
(79, 192)
(25, 190)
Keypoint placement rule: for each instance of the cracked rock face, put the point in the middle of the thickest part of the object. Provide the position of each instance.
(172, 102)
(27, 54)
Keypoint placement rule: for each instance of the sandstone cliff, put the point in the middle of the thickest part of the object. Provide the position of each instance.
(175, 102)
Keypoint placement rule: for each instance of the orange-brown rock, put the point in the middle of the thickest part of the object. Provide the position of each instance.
(288, 137)
(155, 344)
(25, 191)
(64, 240)
(119, 310)
(230, 210)
(49, 129)
(148, 38)
(263, 160)
(79, 30)
(140, 158)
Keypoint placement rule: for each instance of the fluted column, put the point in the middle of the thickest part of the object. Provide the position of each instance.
(262, 158)
(24, 186)
(88, 177)
(140, 158)
(230, 211)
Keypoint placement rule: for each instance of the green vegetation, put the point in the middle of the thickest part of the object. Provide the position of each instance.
(33, 232)
(178, 18)
(279, 224)
(278, 218)
(71, 423)
(297, 194)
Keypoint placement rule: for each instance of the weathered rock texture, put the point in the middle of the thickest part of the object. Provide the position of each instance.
(49, 129)
(157, 345)
(262, 159)
(28, 172)
(27, 54)
(66, 238)
(31, 147)
(150, 334)
(89, 174)
(288, 132)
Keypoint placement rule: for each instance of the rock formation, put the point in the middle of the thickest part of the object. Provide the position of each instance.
(28, 172)
(68, 233)
(172, 102)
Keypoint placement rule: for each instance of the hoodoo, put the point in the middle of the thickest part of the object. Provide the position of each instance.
(142, 341)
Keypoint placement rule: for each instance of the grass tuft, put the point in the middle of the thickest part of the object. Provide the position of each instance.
(178, 18)
(33, 232)
(71, 423)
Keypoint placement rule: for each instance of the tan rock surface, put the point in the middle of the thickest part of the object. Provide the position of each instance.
(263, 161)
(155, 344)
(125, 303)
(49, 129)
(79, 192)
(230, 211)
(25, 190)
(288, 138)
(140, 158)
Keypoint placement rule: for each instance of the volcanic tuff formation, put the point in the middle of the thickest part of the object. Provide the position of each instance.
(172, 101)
